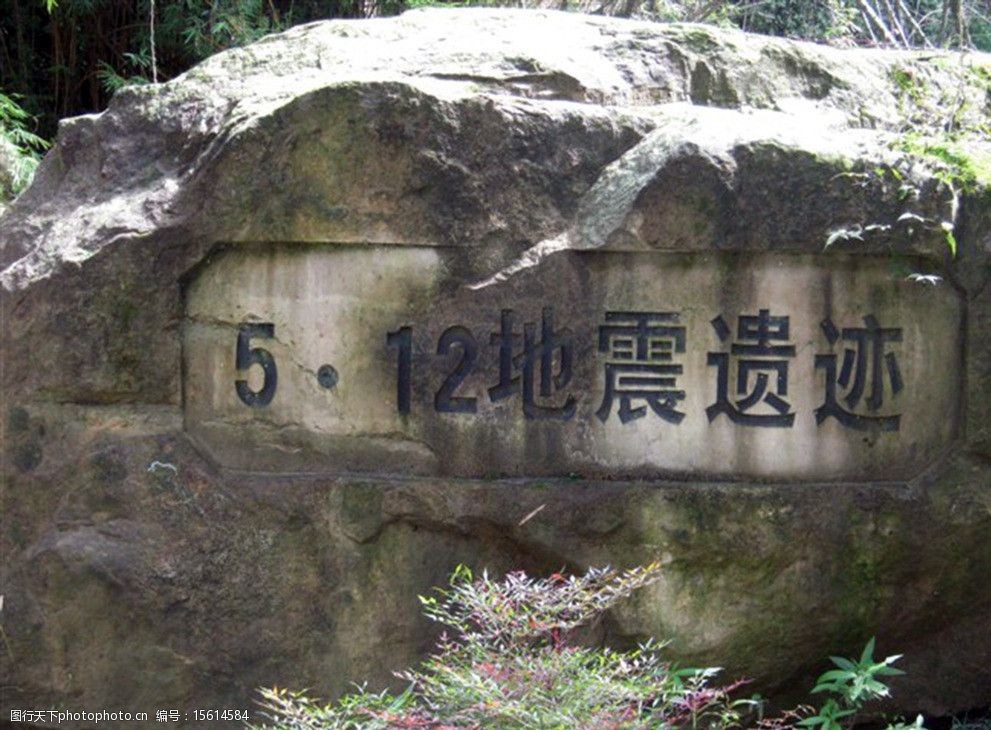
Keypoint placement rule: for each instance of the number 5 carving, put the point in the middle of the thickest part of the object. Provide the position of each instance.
(246, 356)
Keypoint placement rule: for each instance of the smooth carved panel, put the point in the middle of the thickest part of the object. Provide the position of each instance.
(337, 359)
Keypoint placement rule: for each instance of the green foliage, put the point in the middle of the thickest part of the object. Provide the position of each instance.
(14, 123)
(413, 4)
(969, 723)
(512, 665)
(950, 163)
(945, 132)
(917, 724)
(523, 611)
(958, 170)
(855, 682)
(810, 19)
(20, 148)
(192, 31)
(908, 84)
(831, 716)
(69, 57)
(215, 26)
(112, 81)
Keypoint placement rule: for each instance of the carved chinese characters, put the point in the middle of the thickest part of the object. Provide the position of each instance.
(601, 364)
(641, 347)
(754, 355)
(639, 369)
(865, 366)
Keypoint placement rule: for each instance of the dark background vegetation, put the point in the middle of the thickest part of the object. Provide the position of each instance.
(67, 57)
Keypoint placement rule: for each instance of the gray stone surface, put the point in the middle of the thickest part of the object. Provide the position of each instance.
(333, 305)
(463, 155)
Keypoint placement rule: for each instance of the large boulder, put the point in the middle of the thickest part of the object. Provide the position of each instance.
(172, 539)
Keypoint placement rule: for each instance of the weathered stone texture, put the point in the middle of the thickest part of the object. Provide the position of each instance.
(471, 137)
